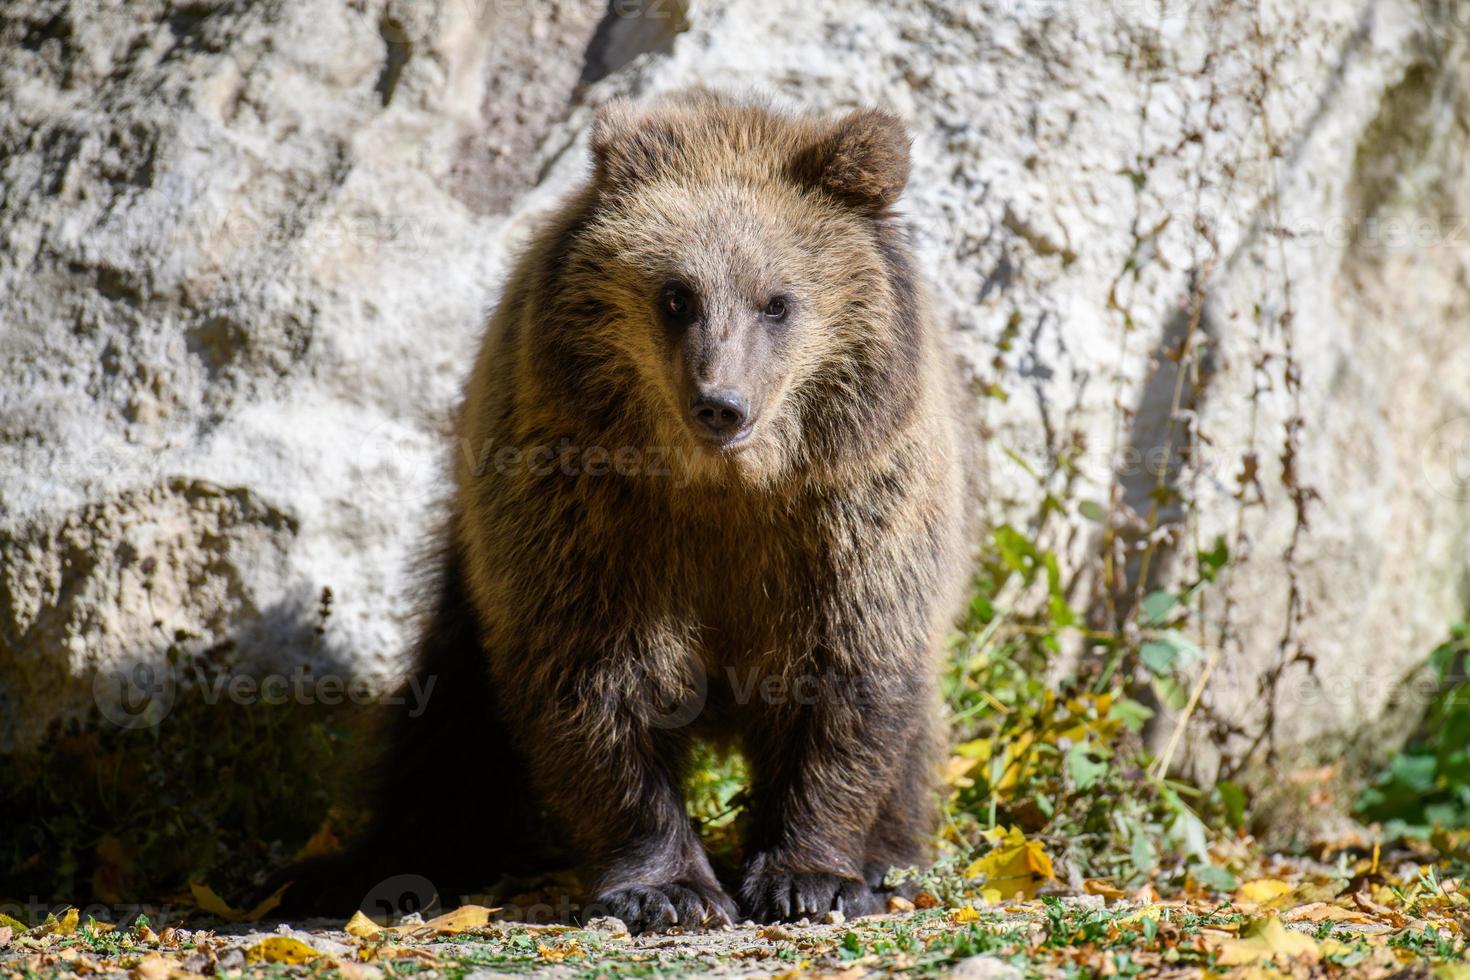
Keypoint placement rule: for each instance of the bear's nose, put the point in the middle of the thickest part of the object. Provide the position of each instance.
(720, 413)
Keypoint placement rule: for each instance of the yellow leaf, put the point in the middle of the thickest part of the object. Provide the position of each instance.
(64, 926)
(281, 949)
(964, 914)
(1267, 939)
(206, 899)
(1014, 866)
(462, 919)
(974, 750)
(558, 952)
(325, 841)
(1261, 890)
(1154, 912)
(6, 922)
(361, 926)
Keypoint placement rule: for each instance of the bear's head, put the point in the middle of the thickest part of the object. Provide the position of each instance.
(744, 269)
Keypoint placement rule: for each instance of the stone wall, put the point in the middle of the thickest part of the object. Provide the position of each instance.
(246, 249)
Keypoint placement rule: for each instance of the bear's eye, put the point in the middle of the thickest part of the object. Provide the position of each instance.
(677, 302)
(775, 309)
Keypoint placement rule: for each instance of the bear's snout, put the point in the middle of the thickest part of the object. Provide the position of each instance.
(720, 416)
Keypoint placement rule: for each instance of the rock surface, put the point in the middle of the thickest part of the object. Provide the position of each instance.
(246, 248)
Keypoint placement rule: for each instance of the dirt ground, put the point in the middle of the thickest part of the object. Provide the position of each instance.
(1083, 936)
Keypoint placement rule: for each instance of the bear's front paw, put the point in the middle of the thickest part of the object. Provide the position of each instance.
(771, 896)
(658, 907)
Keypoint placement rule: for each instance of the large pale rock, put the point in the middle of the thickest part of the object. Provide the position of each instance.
(245, 251)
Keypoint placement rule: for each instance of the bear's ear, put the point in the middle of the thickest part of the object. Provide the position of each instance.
(629, 145)
(861, 159)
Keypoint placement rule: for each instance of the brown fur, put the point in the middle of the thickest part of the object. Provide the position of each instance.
(826, 554)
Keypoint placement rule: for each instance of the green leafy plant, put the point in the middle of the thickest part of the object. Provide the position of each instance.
(1064, 759)
(1427, 784)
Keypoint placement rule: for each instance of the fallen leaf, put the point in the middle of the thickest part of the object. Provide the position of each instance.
(1261, 891)
(208, 901)
(15, 925)
(362, 927)
(1093, 886)
(1267, 939)
(1014, 866)
(1154, 912)
(281, 949)
(558, 952)
(1323, 912)
(964, 914)
(153, 967)
(322, 843)
(462, 919)
(64, 926)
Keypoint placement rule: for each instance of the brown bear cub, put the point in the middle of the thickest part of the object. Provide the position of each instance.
(713, 490)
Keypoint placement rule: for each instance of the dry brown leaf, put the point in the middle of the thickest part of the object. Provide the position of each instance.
(1323, 912)
(1380, 912)
(154, 967)
(322, 843)
(207, 900)
(1094, 886)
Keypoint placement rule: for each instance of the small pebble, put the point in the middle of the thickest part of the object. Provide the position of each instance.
(897, 903)
(608, 923)
(983, 968)
(833, 918)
